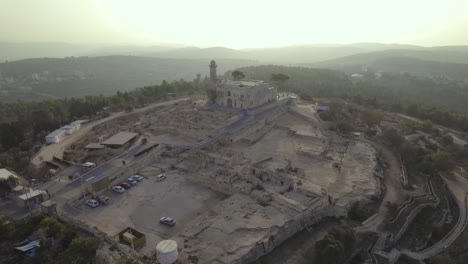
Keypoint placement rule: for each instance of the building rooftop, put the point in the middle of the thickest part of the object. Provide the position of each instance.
(5, 174)
(120, 138)
(48, 203)
(323, 107)
(56, 133)
(31, 194)
(78, 122)
(94, 146)
(242, 83)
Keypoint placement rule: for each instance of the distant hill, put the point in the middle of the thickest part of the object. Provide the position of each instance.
(317, 53)
(99, 75)
(434, 62)
(287, 55)
(202, 53)
(12, 51)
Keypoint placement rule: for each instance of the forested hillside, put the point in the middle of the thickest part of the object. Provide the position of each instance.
(72, 77)
(430, 63)
(313, 81)
(443, 102)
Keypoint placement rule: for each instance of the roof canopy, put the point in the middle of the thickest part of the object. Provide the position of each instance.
(5, 174)
(120, 138)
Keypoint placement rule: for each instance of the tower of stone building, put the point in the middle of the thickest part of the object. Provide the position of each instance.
(213, 67)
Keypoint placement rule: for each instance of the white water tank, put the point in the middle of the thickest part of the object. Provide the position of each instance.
(166, 252)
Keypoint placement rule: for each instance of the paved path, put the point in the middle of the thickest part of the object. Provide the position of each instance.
(393, 187)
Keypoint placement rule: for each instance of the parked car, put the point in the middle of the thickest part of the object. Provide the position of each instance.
(103, 199)
(125, 185)
(160, 177)
(132, 181)
(137, 177)
(89, 165)
(92, 203)
(167, 221)
(118, 189)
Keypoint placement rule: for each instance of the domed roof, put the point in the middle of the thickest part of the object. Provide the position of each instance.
(166, 246)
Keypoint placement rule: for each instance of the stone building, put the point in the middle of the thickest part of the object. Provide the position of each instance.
(243, 94)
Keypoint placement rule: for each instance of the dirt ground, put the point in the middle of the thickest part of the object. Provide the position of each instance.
(343, 167)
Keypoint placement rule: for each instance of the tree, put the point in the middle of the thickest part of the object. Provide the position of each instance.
(212, 95)
(447, 139)
(54, 228)
(344, 234)
(371, 118)
(344, 127)
(5, 188)
(443, 161)
(329, 250)
(279, 79)
(82, 250)
(393, 137)
(238, 75)
(427, 125)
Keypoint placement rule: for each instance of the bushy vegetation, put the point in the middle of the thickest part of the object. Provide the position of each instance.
(361, 211)
(59, 242)
(333, 247)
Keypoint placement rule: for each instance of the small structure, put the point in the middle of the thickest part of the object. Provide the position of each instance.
(166, 252)
(96, 184)
(357, 77)
(18, 190)
(71, 128)
(322, 108)
(94, 147)
(56, 136)
(119, 140)
(9, 176)
(48, 207)
(132, 237)
(32, 197)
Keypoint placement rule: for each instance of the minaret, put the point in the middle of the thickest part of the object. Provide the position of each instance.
(213, 67)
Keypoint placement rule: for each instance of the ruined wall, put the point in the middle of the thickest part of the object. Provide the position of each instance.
(310, 216)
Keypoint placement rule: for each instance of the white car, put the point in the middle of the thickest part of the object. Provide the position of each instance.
(132, 181)
(92, 203)
(118, 189)
(137, 177)
(160, 177)
(89, 165)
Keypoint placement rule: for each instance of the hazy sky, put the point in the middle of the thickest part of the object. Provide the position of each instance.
(235, 23)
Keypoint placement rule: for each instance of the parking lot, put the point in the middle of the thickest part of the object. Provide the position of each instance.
(142, 205)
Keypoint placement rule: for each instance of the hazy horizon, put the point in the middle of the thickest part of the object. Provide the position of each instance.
(258, 24)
